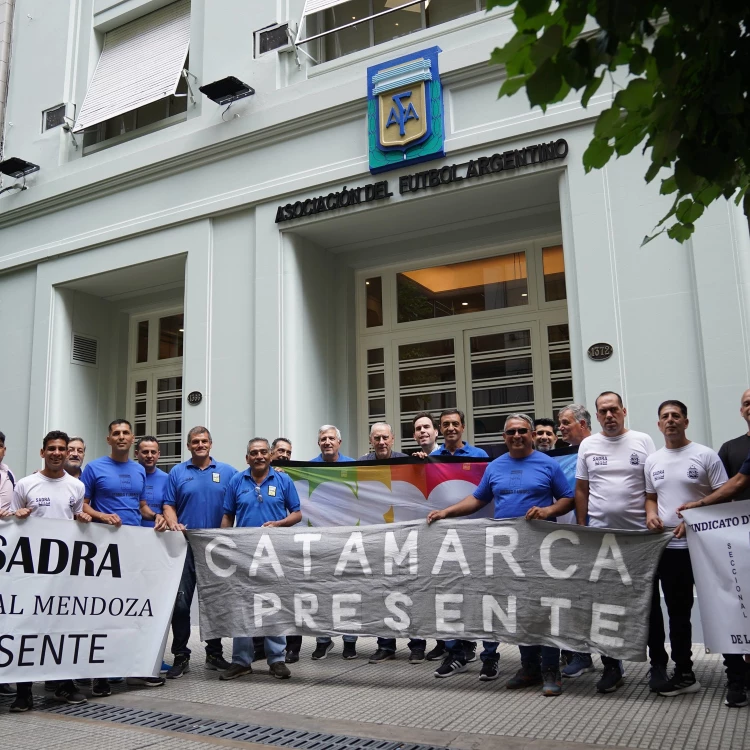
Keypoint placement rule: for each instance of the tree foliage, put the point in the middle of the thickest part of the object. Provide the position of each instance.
(686, 97)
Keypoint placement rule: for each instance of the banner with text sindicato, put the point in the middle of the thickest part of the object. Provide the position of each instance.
(84, 600)
(513, 581)
(719, 541)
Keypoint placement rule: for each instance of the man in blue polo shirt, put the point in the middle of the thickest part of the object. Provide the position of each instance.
(452, 424)
(147, 454)
(522, 482)
(113, 489)
(194, 499)
(329, 442)
(260, 496)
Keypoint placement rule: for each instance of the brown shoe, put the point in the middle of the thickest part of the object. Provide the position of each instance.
(280, 670)
(235, 671)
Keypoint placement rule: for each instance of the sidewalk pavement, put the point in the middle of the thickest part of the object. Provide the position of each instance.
(398, 702)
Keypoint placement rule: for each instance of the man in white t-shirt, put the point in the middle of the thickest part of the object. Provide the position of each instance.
(49, 493)
(611, 488)
(680, 472)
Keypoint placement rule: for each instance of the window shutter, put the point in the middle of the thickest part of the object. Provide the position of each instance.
(141, 62)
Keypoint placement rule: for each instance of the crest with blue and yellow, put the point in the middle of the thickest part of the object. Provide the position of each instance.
(405, 111)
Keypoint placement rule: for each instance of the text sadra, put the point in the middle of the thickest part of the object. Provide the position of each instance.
(54, 557)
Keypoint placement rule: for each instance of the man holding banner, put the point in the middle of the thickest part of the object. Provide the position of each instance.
(522, 482)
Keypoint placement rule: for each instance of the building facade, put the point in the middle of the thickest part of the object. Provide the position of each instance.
(369, 234)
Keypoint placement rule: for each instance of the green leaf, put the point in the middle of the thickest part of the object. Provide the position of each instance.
(501, 55)
(665, 145)
(638, 61)
(597, 154)
(511, 85)
(668, 186)
(680, 232)
(591, 88)
(688, 211)
(607, 122)
(686, 181)
(649, 237)
(638, 95)
(544, 84)
(548, 45)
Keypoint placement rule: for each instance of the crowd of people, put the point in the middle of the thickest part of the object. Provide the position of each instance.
(618, 480)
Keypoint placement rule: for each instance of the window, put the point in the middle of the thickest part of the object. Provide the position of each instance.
(138, 84)
(346, 26)
(156, 338)
(53, 118)
(554, 273)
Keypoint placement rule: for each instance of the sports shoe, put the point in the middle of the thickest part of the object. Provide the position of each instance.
(451, 665)
(235, 671)
(67, 693)
(292, 656)
(180, 667)
(610, 680)
(679, 684)
(321, 650)
(565, 657)
(416, 656)
(382, 654)
(470, 649)
(164, 667)
(145, 681)
(489, 670)
(217, 663)
(436, 653)
(7, 689)
(350, 650)
(280, 670)
(551, 682)
(736, 696)
(657, 677)
(577, 665)
(527, 676)
(23, 702)
(101, 688)
(50, 686)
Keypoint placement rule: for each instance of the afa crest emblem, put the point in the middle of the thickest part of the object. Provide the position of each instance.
(405, 111)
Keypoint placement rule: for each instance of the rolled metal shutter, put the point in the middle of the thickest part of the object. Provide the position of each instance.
(141, 62)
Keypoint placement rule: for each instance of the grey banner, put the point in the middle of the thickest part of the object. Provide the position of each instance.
(512, 581)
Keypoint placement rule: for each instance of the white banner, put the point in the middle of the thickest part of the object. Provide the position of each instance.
(84, 600)
(719, 540)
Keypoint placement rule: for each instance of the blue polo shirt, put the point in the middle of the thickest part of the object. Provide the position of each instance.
(115, 487)
(517, 484)
(197, 495)
(278, 497)
(156, 485)
(466, 450)
(319, 459)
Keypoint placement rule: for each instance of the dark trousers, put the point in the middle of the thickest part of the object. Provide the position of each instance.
(181, 613)
(676, 576)
(546, 657)
(389, 644)
(737, 669)
(294, 643)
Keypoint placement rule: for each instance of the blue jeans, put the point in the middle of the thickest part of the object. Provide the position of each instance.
(548, 655)
(389, 644)
(327, 639)
(489, 650)
(243, 651)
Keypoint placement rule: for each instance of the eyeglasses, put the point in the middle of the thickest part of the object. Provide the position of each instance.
(517, 431)
(259, 494)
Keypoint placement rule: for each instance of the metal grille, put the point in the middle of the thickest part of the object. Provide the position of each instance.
(54, 117)
(273, 38)
(85, 350)
(274, 736)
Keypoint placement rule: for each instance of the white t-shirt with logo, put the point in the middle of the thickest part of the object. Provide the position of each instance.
(614, 468)
(682, 475)
(49, 498)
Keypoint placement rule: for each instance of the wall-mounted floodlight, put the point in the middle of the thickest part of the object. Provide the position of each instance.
(227, 90)
(18, 169)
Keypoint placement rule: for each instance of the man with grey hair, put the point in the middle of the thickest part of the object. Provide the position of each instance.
(329, 442)
(76, 454)
(381, 440)
(522, 482)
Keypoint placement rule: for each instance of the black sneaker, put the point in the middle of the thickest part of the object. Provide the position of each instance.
(23, 702)
(382, 654)
(217, 663)
(657, 678)
(180, 667)
(527, 676)
(679, 684)
(280, 670)
(145, 681)
(7, 689)
(471, 652)
(437, 653)
(68, 693)
(451, 665)
(101, 688)
(292, 656)
(551, 683)
(736, 696)
(350, 650)
(489, 670)
(321, 650)
(610, 680)
(416, 656)
(235, 671)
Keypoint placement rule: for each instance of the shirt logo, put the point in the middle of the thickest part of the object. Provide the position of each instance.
(658, 474)
(43, 502)
(692, 472)
(271, 490)
(125, 483)
(599, 460)
(215, 476)
(634, 460)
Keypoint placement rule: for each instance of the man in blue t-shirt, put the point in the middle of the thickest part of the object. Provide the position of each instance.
(113, 489)
(260, 496)
(522, 482)
(147, 454)
(194, 499)
(452, 423)
(329, 442)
